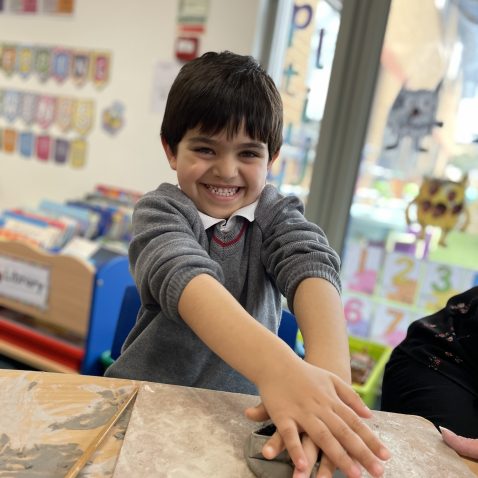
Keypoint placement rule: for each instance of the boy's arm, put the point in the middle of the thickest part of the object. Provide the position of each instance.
(298, 397)
(320, 317)
(319, 313)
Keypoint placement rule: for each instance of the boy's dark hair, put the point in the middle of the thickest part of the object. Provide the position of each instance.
(222, 91)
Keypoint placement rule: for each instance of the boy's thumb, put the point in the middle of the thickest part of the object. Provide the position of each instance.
(257, 413)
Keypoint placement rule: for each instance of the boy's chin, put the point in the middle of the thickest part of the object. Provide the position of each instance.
(220, 211)
(218, 214)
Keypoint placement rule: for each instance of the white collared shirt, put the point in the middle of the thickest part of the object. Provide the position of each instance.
(227, 224)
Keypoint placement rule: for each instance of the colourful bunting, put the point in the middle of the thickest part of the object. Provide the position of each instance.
(46, 111)
(44, 147)
(60, 63)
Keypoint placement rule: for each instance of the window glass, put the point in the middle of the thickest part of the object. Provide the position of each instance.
(305, 78)
(412, 239)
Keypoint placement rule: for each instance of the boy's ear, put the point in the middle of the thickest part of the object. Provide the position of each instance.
(272, 160)
(169, 154)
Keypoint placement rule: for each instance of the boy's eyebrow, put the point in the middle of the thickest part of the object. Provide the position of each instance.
(253, 144)
(208, 140)
(201, 139)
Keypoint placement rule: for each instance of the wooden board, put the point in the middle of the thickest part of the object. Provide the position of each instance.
(417, 448)
(49, 419)
(71, 287)
(178, 431)
(182, 431)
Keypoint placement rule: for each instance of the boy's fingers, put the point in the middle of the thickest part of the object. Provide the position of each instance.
(257, 413)
(273, 446)
(368, 437)
(351, 398)
(326, 468)
(290, 436)
(311, 452)
(331, 446)
(348, 444)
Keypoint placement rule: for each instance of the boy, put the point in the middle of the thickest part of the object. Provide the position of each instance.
(211, 258)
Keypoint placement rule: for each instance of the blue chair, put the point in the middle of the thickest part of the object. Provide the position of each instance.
(288, 329)
(126, 320)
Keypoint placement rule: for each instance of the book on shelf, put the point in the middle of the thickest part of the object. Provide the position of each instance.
(48, 236)
(87, 220)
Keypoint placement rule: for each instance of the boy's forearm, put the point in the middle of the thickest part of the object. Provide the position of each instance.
(319, 313)
(227, 329)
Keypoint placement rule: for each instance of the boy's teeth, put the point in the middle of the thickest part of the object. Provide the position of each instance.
(222, 191)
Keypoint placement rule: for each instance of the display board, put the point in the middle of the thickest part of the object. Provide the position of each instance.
(93, 77)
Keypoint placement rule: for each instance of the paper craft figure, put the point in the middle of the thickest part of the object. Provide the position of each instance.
(413, 114)
(440, 203)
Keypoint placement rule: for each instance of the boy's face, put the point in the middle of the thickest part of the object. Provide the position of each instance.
(218, 174)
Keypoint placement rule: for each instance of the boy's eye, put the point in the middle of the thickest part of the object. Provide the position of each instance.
(203, 150)
(250, 154)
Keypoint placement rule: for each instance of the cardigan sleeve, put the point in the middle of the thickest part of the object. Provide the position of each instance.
(168, 248)
(293, 248)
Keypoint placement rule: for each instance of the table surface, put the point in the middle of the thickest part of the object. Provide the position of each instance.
(50, 419)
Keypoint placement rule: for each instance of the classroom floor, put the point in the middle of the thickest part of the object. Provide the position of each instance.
(6, 362)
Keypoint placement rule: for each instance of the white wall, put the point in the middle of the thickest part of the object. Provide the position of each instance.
(139, 34)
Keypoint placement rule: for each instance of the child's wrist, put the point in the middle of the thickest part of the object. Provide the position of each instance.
(276, 367)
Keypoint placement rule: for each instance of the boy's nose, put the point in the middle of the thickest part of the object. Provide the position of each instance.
(225, 168)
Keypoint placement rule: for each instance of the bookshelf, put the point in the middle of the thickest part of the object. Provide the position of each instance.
(58, 313)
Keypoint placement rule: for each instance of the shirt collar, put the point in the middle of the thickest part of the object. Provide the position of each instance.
(246, 212)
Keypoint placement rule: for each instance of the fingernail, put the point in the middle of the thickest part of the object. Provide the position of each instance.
(446, 430)
(267, 451)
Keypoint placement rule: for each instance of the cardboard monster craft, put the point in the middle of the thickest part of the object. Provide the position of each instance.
(440, 203)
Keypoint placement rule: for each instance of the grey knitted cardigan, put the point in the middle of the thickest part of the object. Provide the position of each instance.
(255, 261)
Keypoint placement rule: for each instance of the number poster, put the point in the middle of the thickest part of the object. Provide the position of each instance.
(384, 292)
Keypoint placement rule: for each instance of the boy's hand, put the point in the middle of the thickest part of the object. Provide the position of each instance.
(326, 467)
(275, 445)
(305, 398)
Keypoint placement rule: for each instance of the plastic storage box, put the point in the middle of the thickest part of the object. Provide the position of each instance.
(380, 353)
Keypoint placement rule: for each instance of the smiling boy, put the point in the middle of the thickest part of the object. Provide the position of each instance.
(211, 258)
(220, 175)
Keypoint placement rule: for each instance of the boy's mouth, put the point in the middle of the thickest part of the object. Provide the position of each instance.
(222, 191)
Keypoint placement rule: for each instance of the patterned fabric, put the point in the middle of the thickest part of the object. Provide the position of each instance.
(447, 341)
